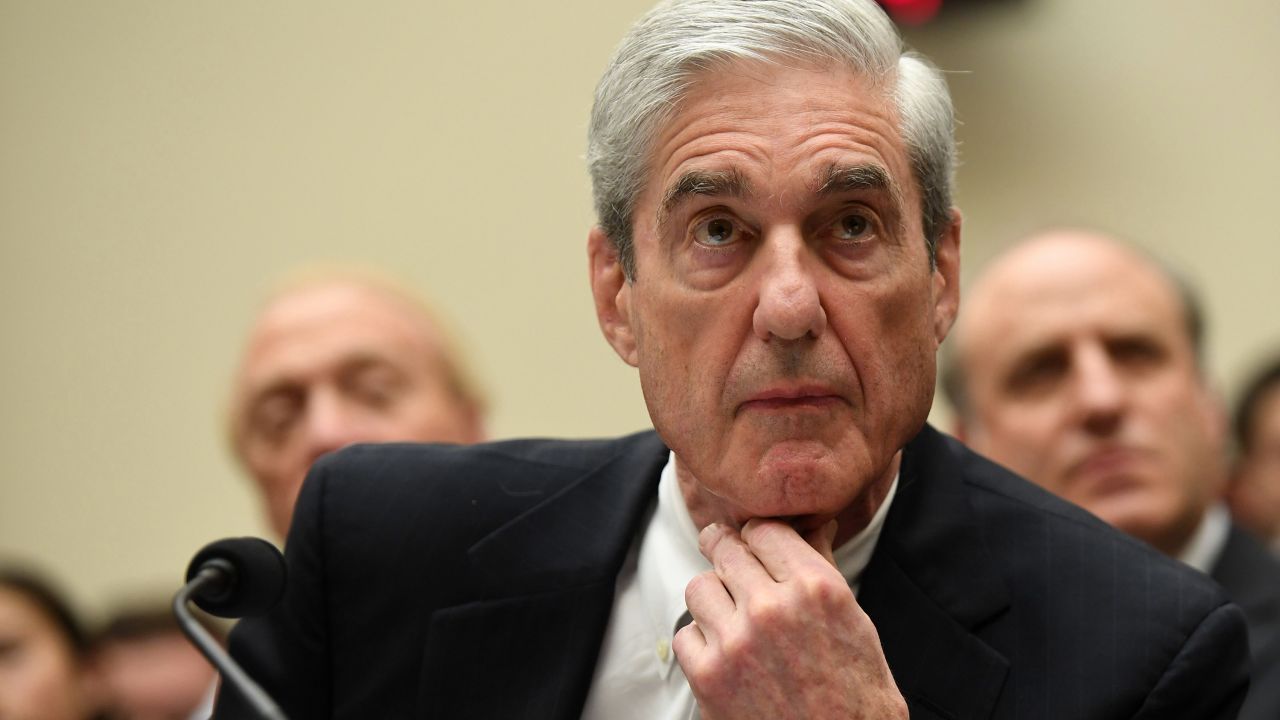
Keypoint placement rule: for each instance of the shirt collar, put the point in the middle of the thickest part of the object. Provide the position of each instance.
(1202, 551)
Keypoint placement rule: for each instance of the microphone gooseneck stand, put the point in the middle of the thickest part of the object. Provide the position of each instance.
(212, 575)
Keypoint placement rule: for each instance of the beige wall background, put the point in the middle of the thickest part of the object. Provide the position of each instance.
(161, 163)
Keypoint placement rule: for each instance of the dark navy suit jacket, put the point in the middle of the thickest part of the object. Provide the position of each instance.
(1251, 576)
(476, 582)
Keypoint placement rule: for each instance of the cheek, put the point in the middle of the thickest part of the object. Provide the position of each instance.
(893, 351)
(279, 475)
(433, 419)
(685, 360)
(46, 678)
(1019, 437)
(276, 464)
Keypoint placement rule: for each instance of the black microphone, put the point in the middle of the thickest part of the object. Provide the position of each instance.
(231, 578)
(246, 577)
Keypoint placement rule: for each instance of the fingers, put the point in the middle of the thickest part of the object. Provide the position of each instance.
(754, 563)
(771, 547)
(735, 563)
(708, 600)
(688, 643)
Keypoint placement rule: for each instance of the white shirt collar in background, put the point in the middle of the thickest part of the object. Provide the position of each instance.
(1209, 540)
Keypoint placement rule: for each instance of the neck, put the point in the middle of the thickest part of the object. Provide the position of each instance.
(854, 518)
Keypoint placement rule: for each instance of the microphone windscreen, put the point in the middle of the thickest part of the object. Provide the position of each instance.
(254, 577)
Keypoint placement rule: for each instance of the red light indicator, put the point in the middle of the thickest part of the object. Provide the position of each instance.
(912, 12)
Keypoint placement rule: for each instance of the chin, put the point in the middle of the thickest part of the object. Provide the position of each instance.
(803, 486)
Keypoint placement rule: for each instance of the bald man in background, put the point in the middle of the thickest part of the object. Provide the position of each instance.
(334, 359)
(338, 359)
(1076, 363)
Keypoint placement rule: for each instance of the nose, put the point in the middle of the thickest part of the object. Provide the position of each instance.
(789, 307)
(1100, 391)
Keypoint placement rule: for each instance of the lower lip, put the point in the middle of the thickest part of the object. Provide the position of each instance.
(809, 402)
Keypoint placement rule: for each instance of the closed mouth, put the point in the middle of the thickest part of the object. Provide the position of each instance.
(792, 398)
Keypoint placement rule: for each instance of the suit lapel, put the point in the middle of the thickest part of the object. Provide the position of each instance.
(930, 584)
(528, 650)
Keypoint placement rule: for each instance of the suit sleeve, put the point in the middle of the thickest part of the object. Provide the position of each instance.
(1208, 678)
(287, 650)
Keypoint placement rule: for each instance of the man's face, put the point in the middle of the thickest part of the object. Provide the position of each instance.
(1255, 491)
(1083, 379)
(161, 676)
(334, 365)
(784, 316)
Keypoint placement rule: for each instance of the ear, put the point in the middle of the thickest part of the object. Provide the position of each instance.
(612, 294)
(946, 278)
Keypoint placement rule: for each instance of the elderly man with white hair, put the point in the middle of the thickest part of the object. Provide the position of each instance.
(777, 255)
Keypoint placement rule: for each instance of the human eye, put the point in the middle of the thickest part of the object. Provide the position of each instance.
(717, 231)
(1038, 373)
(375, 385)
(1137, 352)
(851, 227)
(275, 414)
(11, 650)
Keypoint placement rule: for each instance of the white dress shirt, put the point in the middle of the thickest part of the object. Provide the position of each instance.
(637, 676)
(1209, 540)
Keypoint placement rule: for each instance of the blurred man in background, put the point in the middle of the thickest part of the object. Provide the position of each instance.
(336, 359)
(1254, 489)
(148, 669)
(1077, 363)
(333, 358)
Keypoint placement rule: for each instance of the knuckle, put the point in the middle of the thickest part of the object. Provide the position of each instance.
(699, 585)
(765, 610)
(727, 555)
(734, 645)
(823, 591)
(707, 669)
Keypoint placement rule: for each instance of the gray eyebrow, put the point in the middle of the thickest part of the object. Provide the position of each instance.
(720, 183)
(851, 178)
(833, 180)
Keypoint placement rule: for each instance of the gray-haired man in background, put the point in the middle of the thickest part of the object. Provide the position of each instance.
(778, 256)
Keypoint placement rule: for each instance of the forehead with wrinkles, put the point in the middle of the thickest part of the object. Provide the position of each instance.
(1060, 283)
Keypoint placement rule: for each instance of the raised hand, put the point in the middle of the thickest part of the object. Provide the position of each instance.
(777, 633)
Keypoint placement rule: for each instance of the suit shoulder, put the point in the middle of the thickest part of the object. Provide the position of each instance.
(1033, 530)
(446, 463)
(385, 488)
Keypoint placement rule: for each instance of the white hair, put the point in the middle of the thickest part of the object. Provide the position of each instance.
(669, 48)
